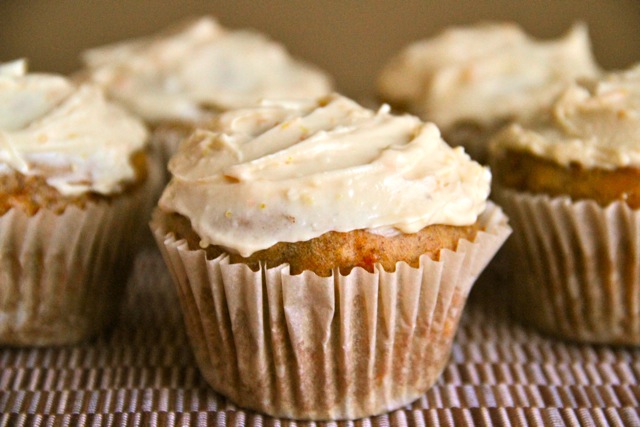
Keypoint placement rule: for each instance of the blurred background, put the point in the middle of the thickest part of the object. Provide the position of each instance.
(351, 39)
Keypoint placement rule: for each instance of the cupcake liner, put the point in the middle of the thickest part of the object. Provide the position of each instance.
(62, 275)
(576, 267)
(339, 347)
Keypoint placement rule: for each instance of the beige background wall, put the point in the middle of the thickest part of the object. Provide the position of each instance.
(351, 39)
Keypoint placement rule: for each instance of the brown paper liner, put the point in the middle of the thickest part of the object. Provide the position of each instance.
(576, 267)
(339, 347)
(62, 275)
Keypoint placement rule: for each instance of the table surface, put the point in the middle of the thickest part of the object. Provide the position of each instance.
(142, 372)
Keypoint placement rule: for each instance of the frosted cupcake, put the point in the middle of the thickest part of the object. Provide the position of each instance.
(182, 76)
(323, 254)
(72, 195)
(473, 80)
(570, 183)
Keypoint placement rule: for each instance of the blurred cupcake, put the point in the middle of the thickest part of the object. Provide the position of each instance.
(570, 181)
(323, 254)
(471, 81)
(72, 195)
(180, 77)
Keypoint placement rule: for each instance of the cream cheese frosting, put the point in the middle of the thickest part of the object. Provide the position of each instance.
(292, 171)
(66, 133)
(181, 73)
(485, 74)
(593, 123)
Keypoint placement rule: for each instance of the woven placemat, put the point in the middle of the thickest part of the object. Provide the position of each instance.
(142, 372)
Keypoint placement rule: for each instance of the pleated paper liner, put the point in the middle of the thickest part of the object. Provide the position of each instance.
(62, 275)
(309, 347)
(576, 267)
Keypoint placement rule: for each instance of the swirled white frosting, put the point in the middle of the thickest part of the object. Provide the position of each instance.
(594, 123)
(485, 74)
(182, 72)
(68, 134)
(291, 171)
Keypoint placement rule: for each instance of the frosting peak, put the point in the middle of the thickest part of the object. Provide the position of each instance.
(595, 123)
(69, 134)
(179, 73)
(291, 171)
(485, 73)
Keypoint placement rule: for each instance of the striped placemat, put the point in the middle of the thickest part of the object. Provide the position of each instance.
(142, 372)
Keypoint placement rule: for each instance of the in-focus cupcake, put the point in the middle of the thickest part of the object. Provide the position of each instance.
(471, 81)
(570, 182)
(72, 195)
(323, 254)
(180, 77)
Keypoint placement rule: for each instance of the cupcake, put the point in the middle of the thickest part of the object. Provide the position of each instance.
(180, 77)
(473, 80)
(569, 181)
(323, 254)
(72, 194)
